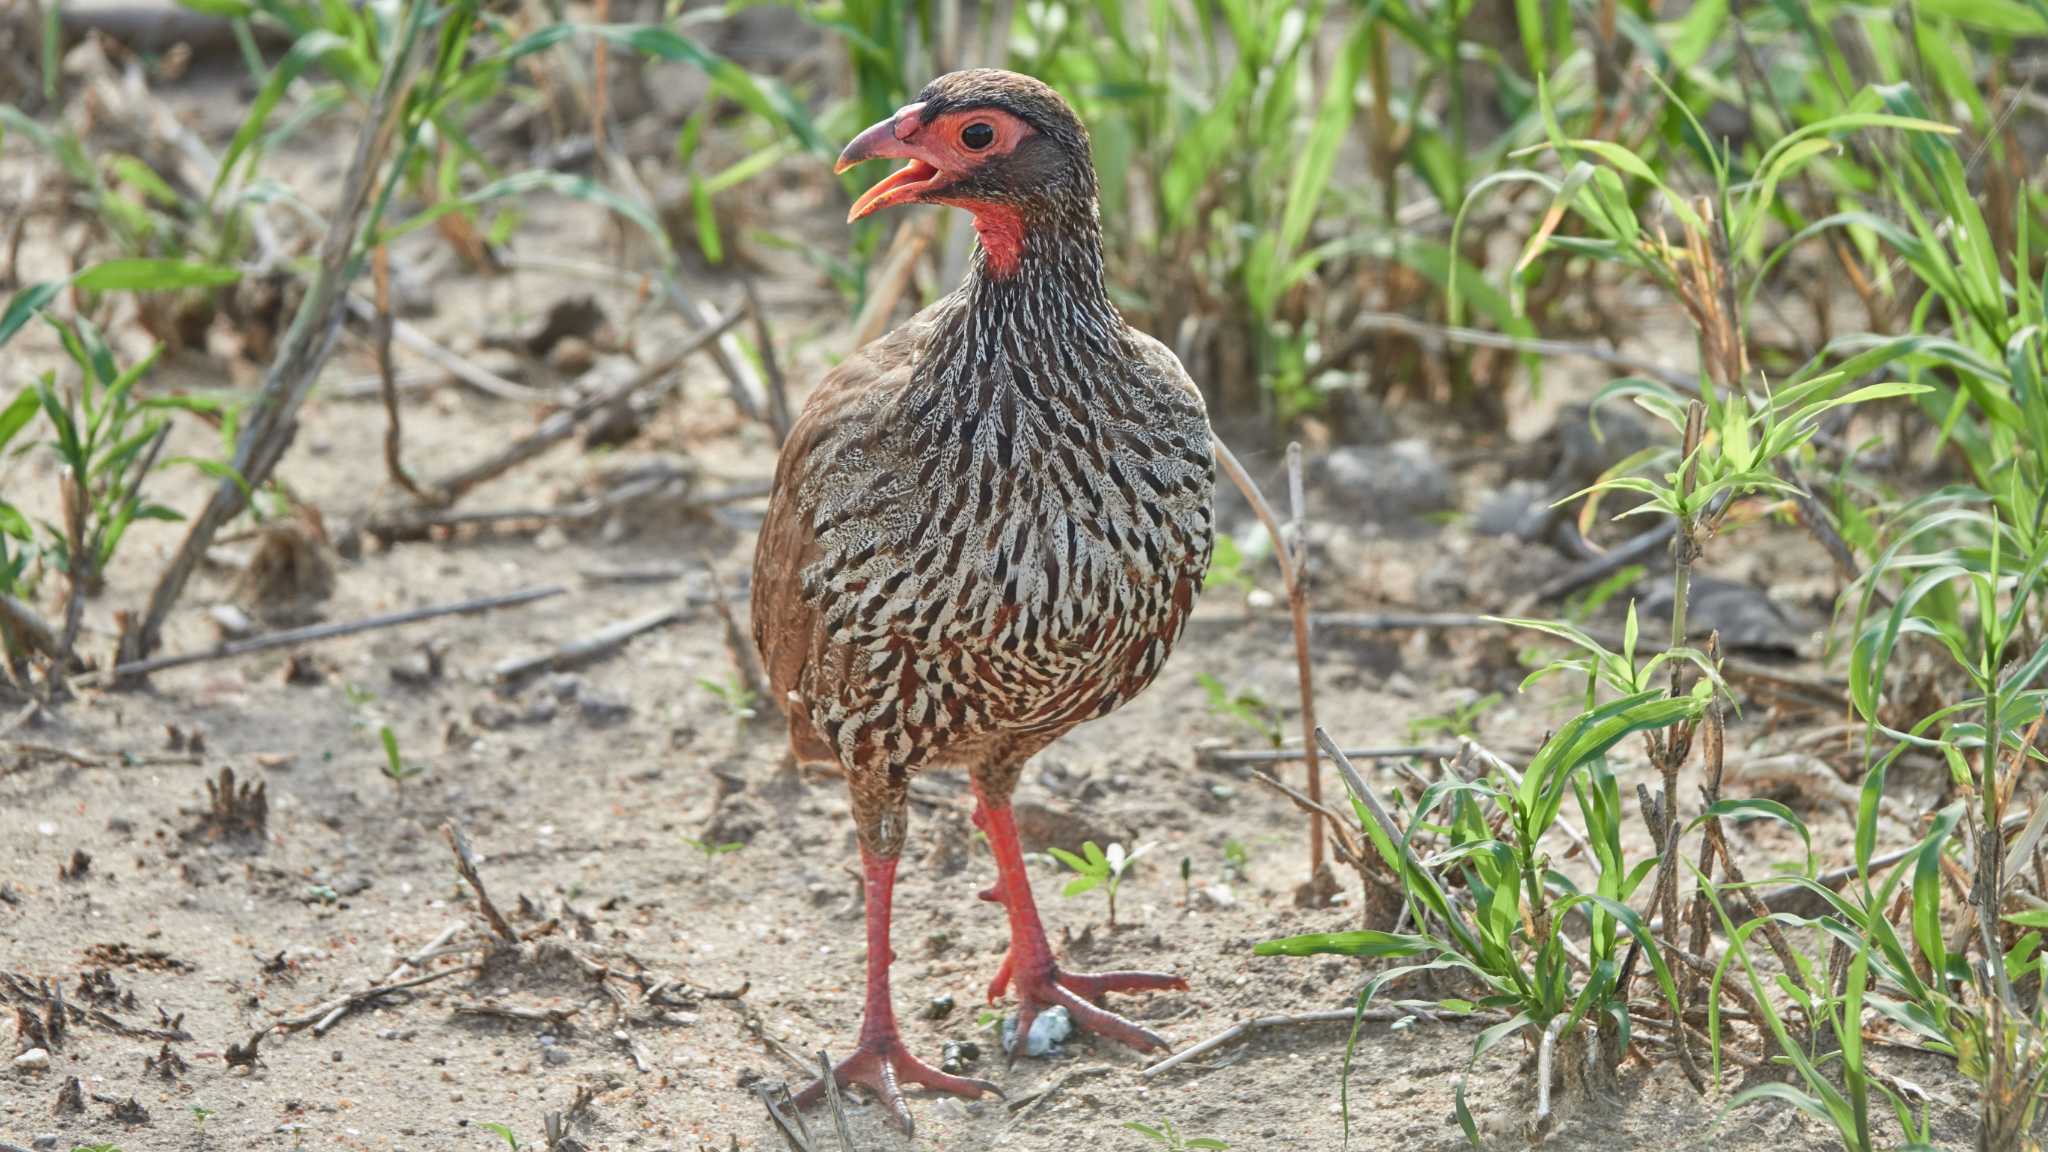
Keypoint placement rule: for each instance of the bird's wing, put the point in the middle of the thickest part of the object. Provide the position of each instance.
(785, 623)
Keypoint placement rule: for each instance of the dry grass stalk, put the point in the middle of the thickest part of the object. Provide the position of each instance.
(387, 377)
(465, 864)
(1290, 559)
(273, 417)
(307, 635)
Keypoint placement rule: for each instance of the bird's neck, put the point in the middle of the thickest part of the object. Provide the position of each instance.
(1046, 260)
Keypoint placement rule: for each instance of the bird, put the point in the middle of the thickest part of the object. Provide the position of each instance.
(985, 528)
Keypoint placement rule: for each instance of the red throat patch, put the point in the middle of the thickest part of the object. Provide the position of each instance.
(1001, 228)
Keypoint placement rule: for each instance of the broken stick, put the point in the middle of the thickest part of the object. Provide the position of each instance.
(291, 636)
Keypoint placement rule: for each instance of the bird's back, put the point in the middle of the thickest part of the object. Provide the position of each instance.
(980, 536)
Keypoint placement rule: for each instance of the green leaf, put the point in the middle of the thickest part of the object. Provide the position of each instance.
(311, 48)
(25, 304)
(228, 9)
(2006, 16)
(1758, 807)
(1358, 943)
(153, 276)
(16, 415)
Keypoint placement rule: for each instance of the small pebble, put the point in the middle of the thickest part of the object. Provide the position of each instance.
(337, 1057)
(46, 1140)
(600, 710)
(939, 1008)
(33, 1060)
(1052, 1026)
(556, 1056)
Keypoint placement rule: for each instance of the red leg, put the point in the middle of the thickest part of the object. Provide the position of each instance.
(1029, 964)
(880, 1062)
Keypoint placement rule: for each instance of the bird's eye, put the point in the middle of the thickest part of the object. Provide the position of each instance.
(978, 135)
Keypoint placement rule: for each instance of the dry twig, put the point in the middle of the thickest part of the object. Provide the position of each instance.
(465, 864)
(314, 632)
(563, 424)
(585, 649)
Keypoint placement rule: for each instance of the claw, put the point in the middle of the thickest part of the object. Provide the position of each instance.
(882, 1065)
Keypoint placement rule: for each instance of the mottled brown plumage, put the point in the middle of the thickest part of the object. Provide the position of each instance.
(987, 527)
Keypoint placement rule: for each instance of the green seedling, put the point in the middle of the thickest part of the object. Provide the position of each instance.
(1236, 859)
(1227, 568)
(1461, 721)
(1247, 708)
(713, 850)
(1096, 868)
(396, 769)
(733, 694)
(502, 1132)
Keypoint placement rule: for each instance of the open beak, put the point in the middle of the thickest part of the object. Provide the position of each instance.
(889, 140)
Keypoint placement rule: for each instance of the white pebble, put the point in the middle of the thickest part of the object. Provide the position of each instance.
(33, 1060)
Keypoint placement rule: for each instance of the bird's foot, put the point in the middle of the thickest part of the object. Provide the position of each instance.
(1041, 985)
(883, 1065)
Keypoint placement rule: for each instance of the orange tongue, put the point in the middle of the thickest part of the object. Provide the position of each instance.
(894, 188)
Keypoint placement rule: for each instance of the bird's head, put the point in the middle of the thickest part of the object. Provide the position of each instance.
(1003, 146)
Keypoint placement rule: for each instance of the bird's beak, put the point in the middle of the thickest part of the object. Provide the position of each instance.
(890, 140)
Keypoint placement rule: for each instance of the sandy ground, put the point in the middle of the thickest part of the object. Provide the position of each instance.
(603, 801)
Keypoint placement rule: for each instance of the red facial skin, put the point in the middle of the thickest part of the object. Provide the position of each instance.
(939, 159)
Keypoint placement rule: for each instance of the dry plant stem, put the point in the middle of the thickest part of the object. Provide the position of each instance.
(387, 376)
(424, 952)
(788, 1118)
(420, 523)
(739, 645)
(315, 632)
(79, 574)
(585, 649)
(1347, 848)
(25, 627)
(483, 380)
(1367, 326)
(1236, 757)
(1368, 797)
(832, 1101)
(1732, 989)
(1822, 528)
(779, 416)
(1614, 560)
(328, 1015)
(892, 279)
(273, 417)
(1245, 1028)
(1754, 908)
(1024, 1107)
(563, 424)
(1297, 605)
(465, 863)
